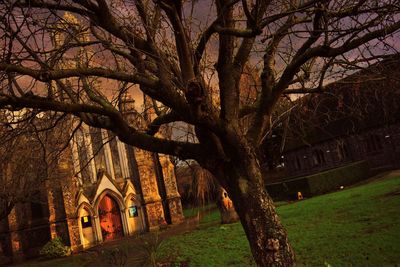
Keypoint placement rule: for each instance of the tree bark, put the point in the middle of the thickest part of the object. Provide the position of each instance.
(268, 238)
(242, 179)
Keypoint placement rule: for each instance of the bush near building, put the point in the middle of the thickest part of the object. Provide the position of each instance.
(55, 248)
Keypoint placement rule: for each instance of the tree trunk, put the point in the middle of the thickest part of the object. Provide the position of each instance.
(268, 240)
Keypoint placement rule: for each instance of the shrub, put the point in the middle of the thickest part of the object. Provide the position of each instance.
(116, 256)
(55, 248)
(331, 180)
(320, 183)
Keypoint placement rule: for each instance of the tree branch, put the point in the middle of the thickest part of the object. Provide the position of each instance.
(107, 119)
(50, 75)
(155, 125)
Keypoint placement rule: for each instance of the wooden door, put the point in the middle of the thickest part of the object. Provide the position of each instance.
(110, 219)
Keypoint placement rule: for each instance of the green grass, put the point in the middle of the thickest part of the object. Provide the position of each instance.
(214, 246)
(355, 227)
(192, 211)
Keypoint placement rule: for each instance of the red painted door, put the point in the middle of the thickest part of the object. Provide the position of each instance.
(110, 219)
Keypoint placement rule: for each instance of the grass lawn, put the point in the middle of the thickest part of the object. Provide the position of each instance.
(193, 211)
(358, 226)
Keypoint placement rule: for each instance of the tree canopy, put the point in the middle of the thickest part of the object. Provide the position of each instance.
(190, 58)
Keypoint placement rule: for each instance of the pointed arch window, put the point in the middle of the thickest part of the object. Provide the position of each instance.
(115, 155)
(373, 143)
(98, 148)
(82, 147)
(318, 157)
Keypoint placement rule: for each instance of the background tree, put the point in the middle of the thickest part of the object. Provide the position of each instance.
(199, 187)
(189, 56)
(27, 157)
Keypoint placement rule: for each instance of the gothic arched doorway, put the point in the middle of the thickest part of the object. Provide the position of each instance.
(110, 218)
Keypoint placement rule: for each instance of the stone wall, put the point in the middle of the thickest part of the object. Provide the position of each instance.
(151, 197)
(61, 187)
(69, 190)
(173, 197)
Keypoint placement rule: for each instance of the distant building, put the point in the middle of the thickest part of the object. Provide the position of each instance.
(358, 118)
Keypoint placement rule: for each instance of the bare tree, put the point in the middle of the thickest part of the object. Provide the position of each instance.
(80, 57)
(25, 159)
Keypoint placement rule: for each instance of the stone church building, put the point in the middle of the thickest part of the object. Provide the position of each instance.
(100, 189)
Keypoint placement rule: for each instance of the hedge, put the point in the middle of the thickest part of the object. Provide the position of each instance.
(320, 183)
